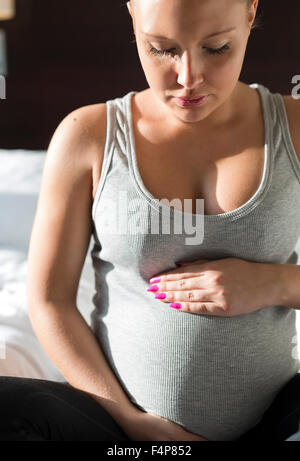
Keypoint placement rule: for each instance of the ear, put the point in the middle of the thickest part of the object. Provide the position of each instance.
(130, 9)
(252, 12)
(129, 6)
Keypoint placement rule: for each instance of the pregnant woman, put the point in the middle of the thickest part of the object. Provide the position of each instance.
(204, 350)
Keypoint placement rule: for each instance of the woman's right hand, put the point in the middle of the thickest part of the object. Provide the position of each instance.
(150, 427)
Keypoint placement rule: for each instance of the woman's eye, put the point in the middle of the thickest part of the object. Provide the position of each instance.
(157, 52)
(162, 52)
(221, 50)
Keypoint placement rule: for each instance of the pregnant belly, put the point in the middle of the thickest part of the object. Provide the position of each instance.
(214, 376)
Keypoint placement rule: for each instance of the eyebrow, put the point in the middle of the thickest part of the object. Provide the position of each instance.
(160, 37)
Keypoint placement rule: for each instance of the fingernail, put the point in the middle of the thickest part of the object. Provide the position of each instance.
(152, 288)
(160, 296)
(176, 305)
(155, 280)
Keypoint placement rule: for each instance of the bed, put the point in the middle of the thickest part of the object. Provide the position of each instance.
(20, 351)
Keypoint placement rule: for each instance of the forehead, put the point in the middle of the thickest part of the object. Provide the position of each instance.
(214, 34)
(166, 18)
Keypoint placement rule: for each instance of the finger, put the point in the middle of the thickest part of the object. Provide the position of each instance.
(199, 308)
(178, 282)
(194, 296)
(176, 274)
(188, 267)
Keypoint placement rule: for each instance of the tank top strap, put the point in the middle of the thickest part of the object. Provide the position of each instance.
(270, 118)
(116, 140)
(286, 138)
(277, 122)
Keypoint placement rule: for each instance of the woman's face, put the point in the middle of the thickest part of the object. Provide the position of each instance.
(202, 51)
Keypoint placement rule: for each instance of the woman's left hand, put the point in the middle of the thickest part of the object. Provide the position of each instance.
(225, 287)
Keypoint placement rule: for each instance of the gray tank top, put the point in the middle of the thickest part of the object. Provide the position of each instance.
(215, 376)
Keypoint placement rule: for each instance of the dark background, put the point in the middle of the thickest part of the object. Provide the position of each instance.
(61, 57)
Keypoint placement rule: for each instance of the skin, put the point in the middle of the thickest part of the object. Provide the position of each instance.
(226, 287)
(190, 70)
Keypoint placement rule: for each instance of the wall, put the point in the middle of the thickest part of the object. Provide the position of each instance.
(61, 57)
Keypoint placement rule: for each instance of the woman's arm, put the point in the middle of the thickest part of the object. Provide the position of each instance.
(58, 247)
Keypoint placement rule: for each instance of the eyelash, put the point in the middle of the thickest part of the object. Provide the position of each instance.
(212, 51)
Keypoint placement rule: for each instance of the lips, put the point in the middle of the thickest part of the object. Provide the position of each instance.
(191, 102)
(192, 99)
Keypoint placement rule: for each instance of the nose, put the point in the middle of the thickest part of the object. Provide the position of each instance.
(190, 73)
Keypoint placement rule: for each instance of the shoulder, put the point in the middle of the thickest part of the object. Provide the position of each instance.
(80, 138)
(85, 125)
(292, 106)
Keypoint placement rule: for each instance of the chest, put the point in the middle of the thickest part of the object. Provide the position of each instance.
(226, 174)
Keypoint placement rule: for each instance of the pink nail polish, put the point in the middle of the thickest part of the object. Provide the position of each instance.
(160, 296)
(176, 305)
(155, 280)
(152, 288)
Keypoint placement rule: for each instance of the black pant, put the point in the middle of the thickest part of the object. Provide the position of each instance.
(282, 418)
(39, 410)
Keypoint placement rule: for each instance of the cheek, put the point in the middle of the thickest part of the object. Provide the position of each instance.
(225, 72)
(160, 74)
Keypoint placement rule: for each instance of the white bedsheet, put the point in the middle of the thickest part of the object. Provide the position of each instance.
(20, 351)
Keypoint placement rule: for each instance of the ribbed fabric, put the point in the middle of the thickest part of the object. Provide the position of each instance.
(213, 375)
